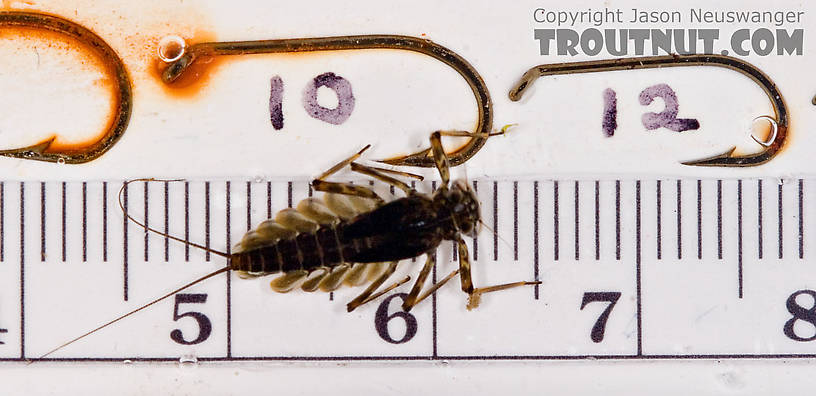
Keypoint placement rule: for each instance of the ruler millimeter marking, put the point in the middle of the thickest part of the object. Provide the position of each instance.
(628, 235)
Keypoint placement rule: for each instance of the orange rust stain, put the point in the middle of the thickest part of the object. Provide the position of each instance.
(762, 131)
(789, 137)
(89, 59)
(133, 30)
(10, 4)
(195, 78)
(54, 40)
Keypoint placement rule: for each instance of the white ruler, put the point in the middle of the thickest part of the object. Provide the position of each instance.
(706, 277)
(695, 269)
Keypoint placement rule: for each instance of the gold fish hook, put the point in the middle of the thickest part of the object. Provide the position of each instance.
(779, 121)
(185, 56)
(123, 103)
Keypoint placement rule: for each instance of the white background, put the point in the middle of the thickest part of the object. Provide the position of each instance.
(224, 132)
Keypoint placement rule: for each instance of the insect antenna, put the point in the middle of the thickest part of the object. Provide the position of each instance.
(495, 233)
(464, 174)
(190, 284)
(164, 234)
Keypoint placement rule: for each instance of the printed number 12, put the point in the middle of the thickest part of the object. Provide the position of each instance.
(651, 121)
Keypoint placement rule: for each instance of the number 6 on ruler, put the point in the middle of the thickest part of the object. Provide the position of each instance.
(597, 334)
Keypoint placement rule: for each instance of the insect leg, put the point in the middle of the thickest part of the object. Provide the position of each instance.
(342, 164)
(398, 173)
(475, 295)
(369, 295)
(346, 189)
(440, 158)
(374, 172)
(320, 184)
(476, 134)
(413, 297)
(411, 300)
(464, 267)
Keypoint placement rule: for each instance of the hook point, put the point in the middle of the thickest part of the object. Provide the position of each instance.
(28, 152)
(415, 159)
(715, 160)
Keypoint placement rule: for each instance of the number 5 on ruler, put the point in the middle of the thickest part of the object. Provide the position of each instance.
(597, 334)
(204, 324)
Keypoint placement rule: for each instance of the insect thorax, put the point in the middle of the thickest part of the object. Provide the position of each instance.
(463, 205)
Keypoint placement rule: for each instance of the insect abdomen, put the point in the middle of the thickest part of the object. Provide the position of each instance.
(345, 239)
(306, 251)
(306, 247)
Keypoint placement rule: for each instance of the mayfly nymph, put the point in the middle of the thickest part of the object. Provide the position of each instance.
(354, 237)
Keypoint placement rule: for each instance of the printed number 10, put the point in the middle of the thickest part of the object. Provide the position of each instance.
(335, 116)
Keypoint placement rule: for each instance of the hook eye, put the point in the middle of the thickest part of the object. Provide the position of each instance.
(122, 96)
(774, 131)
(171, 48)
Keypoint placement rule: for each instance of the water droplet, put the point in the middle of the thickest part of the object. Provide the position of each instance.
(127, 361)
(259, 179)
(61, 161)
(732, 380)
(188, 360)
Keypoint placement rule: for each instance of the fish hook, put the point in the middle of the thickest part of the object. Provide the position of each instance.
(779, 122)
(185, 56)
(123, 99)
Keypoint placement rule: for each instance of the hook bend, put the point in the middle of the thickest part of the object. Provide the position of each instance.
(123, 100)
